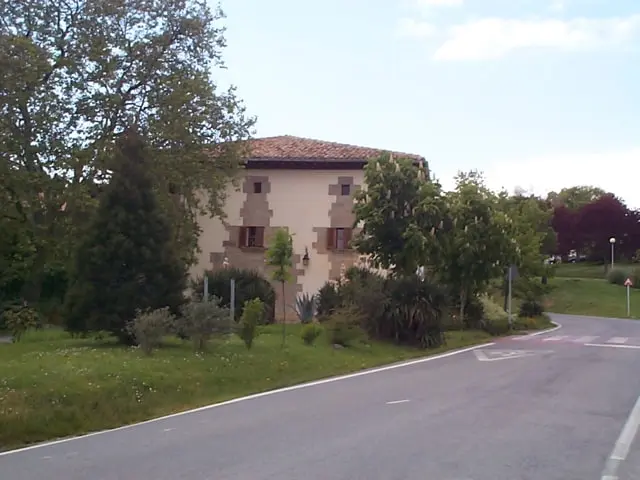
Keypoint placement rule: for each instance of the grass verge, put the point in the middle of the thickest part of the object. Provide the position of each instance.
(591, 297)
(52, 386)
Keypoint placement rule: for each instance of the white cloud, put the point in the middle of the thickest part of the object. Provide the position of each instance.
(414, 28)
(557, 5)
(493, 38)
(439, 3)
(553, 172)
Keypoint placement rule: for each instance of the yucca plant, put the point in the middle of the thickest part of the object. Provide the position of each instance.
(305, 307)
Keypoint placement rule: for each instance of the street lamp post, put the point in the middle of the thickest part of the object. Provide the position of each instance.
(612, 241)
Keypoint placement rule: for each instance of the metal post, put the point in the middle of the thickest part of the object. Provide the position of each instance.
(232, 307)
(509, 304)
(612, 253)
(628, 300)
(206, 288)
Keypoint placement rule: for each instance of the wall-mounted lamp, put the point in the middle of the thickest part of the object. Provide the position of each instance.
(305, 258)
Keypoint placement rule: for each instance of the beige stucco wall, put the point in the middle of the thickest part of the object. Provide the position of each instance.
(304, 201)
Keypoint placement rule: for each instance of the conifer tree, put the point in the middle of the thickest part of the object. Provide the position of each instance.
(126, 261)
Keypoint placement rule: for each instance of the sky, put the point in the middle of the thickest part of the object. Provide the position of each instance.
(537, 94)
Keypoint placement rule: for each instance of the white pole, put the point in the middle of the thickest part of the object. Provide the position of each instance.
(509, 302)
(628, 301)
(232, 307)
(612, 255)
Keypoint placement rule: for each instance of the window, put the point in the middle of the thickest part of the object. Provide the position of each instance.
(257, 187)
(345, 189)
(251, 237)
(338, 238)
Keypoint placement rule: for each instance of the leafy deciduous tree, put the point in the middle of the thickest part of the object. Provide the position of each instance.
(75, 74)
(401, 210)
(280, 258)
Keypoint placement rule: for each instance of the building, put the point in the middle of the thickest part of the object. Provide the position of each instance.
(304, 185)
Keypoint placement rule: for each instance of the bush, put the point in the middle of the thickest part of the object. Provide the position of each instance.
(310, 332)
(343, 326)
(328, 300)
(305, 307)
(414, 313)
(496, 320)
(635, 277)
(148, 328)
(252, 316)
(20, 319)
(366, 290)
(531, 308)
(250, 284)
(203, 320)
(617, 276)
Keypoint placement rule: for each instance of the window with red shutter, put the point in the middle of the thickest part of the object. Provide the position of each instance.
(331, 238)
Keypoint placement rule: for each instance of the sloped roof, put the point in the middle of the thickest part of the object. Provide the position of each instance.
(287, 147)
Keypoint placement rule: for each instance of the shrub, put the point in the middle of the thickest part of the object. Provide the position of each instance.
(343, 326)
(366, 290)
(305, 307)
(148, 328)
(415, 310)
(252, 316)
(617, 276)
(250, 284)
(496, 320)
(203, 320)
(20, 319)
(310, 332)
(635, 277)
(531, 308)
(328, 300)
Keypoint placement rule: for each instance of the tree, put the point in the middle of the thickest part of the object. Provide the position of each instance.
(280, 258)
(75, 74)
(575, 197)
(401, 213)
(127, 260)
(602, 219)
(532, 230)
(482, 241)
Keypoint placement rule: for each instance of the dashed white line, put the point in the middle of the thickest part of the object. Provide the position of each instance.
(618, 340)
(556, 338)
(395, 402)
(168, 429)
(621, 448)
(586, 339)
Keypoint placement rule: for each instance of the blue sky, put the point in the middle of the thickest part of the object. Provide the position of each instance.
(537, 94)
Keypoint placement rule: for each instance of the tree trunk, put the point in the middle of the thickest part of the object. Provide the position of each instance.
(463, 302)
(284, 317)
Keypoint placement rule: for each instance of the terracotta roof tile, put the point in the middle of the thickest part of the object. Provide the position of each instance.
(287, 147)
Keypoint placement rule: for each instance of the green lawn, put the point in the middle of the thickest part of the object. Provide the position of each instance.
(580, 270)
(584, 296)
(54, 386)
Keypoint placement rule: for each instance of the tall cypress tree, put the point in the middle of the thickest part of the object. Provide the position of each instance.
(127, 260)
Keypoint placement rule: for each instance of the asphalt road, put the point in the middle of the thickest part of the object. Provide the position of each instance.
(540, 408)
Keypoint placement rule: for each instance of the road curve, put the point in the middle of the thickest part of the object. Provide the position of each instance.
(551, 406)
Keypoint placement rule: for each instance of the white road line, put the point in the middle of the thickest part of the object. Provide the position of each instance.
(618, 340)
(271, 392)
(621, 448)
(556, 338)
(258, 395)
(586, 339)
(395, 402)
(612, 345)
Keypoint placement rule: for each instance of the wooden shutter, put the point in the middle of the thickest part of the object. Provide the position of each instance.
(347, 237)
(242, 237)
(331, 238)
(259, 236)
